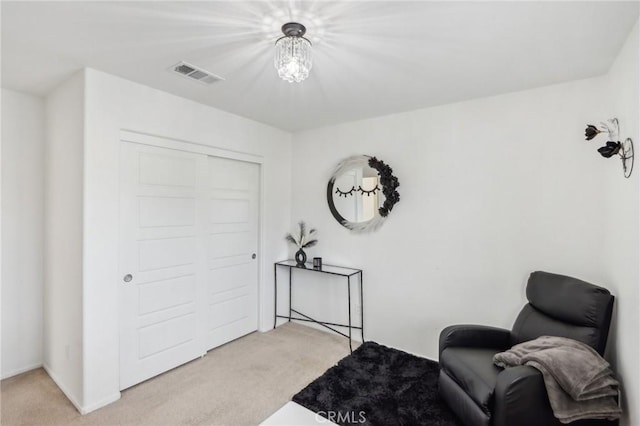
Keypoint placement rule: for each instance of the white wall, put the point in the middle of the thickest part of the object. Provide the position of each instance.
(63, 237)
(22, 237)
(621, 198)
(491, 189)
(113, 104)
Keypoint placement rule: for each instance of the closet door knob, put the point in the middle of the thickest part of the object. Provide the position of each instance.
(253, 256)
(128, 278)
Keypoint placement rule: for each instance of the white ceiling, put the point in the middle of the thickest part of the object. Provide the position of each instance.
(371, 58)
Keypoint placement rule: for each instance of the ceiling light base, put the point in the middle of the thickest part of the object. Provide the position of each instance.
(294, 29)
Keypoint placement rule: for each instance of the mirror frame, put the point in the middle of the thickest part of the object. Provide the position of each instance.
(388, 182)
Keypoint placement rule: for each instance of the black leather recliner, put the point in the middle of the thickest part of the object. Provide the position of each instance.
(481, 393)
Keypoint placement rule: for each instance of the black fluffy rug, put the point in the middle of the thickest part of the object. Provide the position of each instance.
(377, 385)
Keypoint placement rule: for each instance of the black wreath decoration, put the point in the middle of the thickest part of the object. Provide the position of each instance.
(389, 184)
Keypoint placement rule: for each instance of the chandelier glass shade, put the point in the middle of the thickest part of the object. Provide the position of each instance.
(293, 53)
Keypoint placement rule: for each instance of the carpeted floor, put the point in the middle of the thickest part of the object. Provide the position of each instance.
(378, 385)
(240, 383)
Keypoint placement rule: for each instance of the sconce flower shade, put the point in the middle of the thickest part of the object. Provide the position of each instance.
(293, 53)
(610, 149)
(591, 132)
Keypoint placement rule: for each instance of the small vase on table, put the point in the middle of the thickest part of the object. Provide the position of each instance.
(301, 258)
(302, 240)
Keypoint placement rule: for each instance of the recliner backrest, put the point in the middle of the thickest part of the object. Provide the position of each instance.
(566, 307)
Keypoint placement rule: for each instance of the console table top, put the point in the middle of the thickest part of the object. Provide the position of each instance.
(326, 269)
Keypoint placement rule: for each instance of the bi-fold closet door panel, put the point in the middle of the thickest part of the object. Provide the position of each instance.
(189, 228)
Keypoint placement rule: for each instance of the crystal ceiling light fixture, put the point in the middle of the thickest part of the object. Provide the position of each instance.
(293, 53)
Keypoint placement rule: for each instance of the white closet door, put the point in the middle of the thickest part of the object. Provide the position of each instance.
(161, 252)
(189, 232)
(232, 242)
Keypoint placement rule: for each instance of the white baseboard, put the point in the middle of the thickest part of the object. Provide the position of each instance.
(105, 401)
(65, 390)
(82, 409)
(20, 370)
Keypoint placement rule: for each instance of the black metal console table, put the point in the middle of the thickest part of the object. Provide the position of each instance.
(325, 269)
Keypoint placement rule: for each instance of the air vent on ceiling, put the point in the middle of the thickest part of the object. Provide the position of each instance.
(194, 73)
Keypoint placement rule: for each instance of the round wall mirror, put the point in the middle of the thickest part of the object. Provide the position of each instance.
(362, 192)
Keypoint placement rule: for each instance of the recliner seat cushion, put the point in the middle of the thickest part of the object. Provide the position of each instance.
(473, 370)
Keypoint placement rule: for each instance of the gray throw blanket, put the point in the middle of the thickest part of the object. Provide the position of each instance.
(579, 382)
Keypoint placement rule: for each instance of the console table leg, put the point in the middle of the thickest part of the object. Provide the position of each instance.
(290, 300)
(349, 301)
(361, 310)
(275, 295)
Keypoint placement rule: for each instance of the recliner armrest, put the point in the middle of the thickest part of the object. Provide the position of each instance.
(520, 398)
(474, 336)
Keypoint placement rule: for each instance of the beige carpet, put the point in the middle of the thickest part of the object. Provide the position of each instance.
(240, 383)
